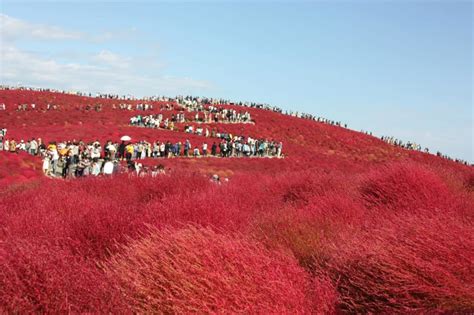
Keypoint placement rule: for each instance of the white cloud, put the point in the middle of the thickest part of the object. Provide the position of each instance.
(104, 73)
(13, 29)
(115, 60)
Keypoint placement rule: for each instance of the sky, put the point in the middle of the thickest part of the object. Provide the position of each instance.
(399, 68)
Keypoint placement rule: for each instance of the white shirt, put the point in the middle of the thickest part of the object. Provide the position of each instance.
(46, 163)
(108, 168)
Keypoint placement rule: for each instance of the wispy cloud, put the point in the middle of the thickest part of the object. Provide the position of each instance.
(13, 29)
(114, 60)
(107, 72)
(103, 71)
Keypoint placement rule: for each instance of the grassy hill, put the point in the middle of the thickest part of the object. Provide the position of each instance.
(343, 223)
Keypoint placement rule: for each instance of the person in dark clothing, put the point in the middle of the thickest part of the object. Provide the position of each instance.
(187, 147)
(167, 149)
(68, 162)
(121, 150)
(178, 149)
(214, 149)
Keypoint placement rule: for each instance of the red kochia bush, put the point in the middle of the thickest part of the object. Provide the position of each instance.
(391, 228)
(198, 270)
(409, 263)
(309, 231)
(405, 186)
(45, 278)
(469, 182)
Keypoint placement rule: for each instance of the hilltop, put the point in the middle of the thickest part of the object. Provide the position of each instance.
(342, 221)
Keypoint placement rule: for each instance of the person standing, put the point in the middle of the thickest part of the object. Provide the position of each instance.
(12, 146)
(187, 147)
(214, 149)
(108, 167)
(279, 149)
(178, 148)
(46, 165)
(129, 149)
(33, 147)
(162, 149)
(121, 150)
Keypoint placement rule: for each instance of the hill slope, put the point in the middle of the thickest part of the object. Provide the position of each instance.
(344, 222)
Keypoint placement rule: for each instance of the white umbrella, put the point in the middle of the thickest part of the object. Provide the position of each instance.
(125, 138)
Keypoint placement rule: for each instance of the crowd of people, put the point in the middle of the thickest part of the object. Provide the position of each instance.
(399, 143)
(416, 147)
(77, 158)
(203, 104)
(199, 104)
(457, 160)
(31, 107)
(191, 103)
(71, 159)
(159, 121)
(229, 145)
(142, 106)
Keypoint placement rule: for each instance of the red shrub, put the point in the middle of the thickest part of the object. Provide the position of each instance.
(310, 232)
(377, 228)
(405, 187)
(44, 278)
(197, 270)
(469, 182)
(410, 264)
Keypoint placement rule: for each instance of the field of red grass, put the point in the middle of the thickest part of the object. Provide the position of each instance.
(345, 223)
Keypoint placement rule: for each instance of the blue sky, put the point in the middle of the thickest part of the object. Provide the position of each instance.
(400, 68)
